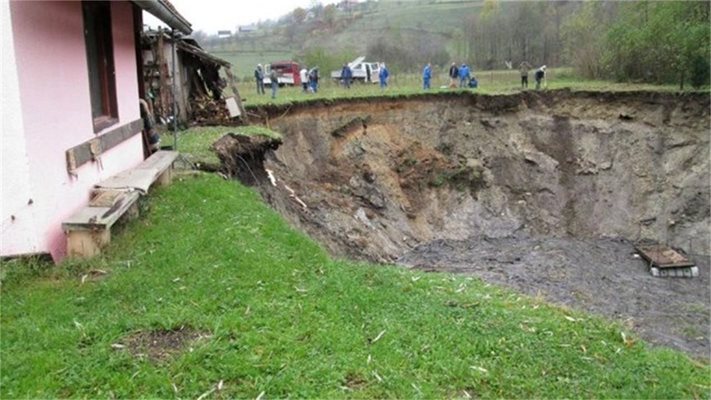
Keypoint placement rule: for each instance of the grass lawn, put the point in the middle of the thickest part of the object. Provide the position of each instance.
(490, 82)
(272, 315)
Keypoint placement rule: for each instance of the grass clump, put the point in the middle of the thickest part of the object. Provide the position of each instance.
(278, 317)
(196, 143)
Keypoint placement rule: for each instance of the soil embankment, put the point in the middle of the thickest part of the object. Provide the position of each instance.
(544, 192)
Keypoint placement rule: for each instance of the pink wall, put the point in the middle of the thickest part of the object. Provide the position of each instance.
(56, 109)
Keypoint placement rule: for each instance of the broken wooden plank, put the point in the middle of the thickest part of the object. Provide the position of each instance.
(105, 198)
(92, 218)
(137, 179)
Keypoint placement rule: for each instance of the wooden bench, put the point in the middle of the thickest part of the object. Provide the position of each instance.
(89, 229)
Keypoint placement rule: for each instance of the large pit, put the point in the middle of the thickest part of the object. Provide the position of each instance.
(545, 193)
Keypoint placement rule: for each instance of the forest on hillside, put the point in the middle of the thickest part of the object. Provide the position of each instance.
(637, 41)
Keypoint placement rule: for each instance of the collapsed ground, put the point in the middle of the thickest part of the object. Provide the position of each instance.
(543, 192)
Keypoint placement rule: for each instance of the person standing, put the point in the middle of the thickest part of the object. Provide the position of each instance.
(540, 75)
(383, 76)
(259, 77)
(524, 67)
(346, 76)
(426, 76)
(453, 75)
(274, 78)
(464, 76)
(313, 79)
(304, 75)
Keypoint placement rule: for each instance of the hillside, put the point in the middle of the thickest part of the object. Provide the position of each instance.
(622, 41)
(432, 26)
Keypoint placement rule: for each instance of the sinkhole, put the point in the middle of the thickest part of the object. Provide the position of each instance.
(543, 192)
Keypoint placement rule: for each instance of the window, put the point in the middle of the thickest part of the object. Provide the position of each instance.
(100, 59)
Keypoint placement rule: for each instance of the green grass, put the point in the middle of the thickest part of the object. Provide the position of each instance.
(195, 143)
(286, 320)
(490, 82)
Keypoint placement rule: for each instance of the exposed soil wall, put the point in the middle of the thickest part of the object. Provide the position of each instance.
(380, 176)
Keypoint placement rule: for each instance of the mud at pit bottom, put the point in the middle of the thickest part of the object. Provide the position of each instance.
(601, 276)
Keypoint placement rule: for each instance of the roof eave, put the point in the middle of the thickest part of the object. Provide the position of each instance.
(163, 10)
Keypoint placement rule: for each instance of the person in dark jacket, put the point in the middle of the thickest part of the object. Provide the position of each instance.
(426, 76)
(259, 77)
(453, 75)
(274, 78)
(313, 79)
(346, 76)
(540, 75)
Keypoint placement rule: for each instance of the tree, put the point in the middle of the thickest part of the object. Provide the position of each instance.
(583, 35)
(298, 15)
(329, 15)
(658, 41)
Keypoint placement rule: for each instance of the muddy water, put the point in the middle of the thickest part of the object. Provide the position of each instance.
(537, 179)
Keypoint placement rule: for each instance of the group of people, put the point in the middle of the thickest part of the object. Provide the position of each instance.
(309, 79)
(539, 75)
(273, 79)
(461, 76)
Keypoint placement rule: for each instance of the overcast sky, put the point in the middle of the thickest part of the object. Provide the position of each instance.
(213, 15)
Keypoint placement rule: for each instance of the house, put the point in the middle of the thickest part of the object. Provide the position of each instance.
(70, 115)
(247, 28)
(347, 5)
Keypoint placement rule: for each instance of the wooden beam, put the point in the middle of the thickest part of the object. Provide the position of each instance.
(85, 152)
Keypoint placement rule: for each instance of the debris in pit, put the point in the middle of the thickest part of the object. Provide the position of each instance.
(243, 156)
(667, 262)
(355, 123)
(294, 197)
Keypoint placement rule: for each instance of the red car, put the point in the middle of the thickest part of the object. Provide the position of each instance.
(287, 73)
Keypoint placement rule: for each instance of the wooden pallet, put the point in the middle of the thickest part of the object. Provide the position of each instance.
(667, 262)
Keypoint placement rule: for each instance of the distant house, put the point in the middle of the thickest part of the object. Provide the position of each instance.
(347, 5)
(70, 115)
(247, 28)
(224, 34)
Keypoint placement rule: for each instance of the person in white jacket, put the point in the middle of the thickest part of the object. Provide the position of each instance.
(304, 75)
